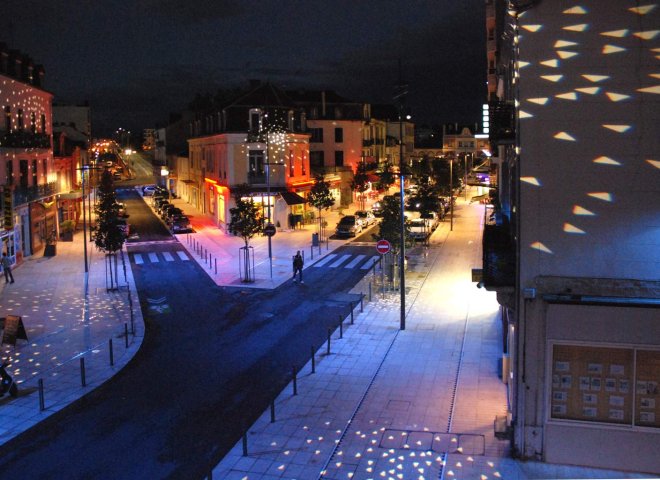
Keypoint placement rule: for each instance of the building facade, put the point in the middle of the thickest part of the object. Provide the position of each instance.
(573, 249)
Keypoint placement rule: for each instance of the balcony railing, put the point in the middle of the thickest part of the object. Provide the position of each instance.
(502, 123)
(499, 257)
(24, 139)
(257, 178)
(23, 195)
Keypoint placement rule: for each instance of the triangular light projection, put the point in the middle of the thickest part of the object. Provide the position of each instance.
(522, 64)
(578, 210)
(575, 10)
(588, 90)
(606, 161)
(596, 78)
(607, 197)
(654, 75)
(552, 78)
(617, 97)
(567, 96)
(618, 128)
(563, 54)
(532, 28)
(568, 228)
(607, 49)
(564, 43)
(648, 35)
(554, 63)
(577, 28)
(655, 163)
(564, 136)
(540, 247)
(643, 10)
(531, 180)
(655, 89)
(616, 33)
(523, 114)
(539, 100)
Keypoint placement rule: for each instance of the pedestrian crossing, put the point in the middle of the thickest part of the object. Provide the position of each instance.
(335, 260)
(157, 257)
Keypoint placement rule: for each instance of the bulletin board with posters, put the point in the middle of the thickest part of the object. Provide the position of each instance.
(605, 385)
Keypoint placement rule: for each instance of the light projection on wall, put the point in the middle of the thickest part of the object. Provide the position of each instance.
(590, 139)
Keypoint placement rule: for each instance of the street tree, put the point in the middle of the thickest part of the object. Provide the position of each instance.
(360, 182)
(245, 222)
(387, 177)
(110, 233)
(390, 227)
(320, 198)
(427, 197)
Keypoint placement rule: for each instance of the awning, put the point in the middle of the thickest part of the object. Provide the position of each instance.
(189, 182)
(71, 195)
(292, 198)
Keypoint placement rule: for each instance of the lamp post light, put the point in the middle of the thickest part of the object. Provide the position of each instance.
(451, 194)
(164, 172)
(85, 169)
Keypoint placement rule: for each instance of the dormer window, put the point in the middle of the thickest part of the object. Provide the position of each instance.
(256, 118)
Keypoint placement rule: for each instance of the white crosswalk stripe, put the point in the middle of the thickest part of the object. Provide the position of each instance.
(137, 258)
(183, 256)
(325, 260)
(369, 263)
(153, 258)
(341, 260)
(355, 261)
(168, 257)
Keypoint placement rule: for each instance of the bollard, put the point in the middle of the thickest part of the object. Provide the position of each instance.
(245, 450)
(42, 405)
(210, 260)
(313, 361)
(126, 334)
(351, 304)
(361, 302)
(272, 411)
(341, 328)
(295, 381)
(311, 249)
(370, 289)
(329, 333)
(112, 353)
(82, 372)
(216, 266)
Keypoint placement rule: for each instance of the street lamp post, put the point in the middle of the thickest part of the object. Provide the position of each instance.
(451, 194)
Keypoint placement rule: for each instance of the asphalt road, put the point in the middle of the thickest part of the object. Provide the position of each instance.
(211, 361)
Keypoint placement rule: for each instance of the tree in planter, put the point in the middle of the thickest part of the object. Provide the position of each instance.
(110, 235)
(66, 230)
(246, 222)
(390, 230)
(360, 182)
(387, 177)
(320, 198)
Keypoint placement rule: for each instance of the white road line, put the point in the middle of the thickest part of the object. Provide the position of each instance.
(325, 260)
(168, 256)
(153, 258)
(182, 255)
(137, 258)
(369, 263)
(340, 261)
(355, 261)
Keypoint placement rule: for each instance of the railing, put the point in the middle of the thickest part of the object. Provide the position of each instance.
(24, 195)
(24, 139)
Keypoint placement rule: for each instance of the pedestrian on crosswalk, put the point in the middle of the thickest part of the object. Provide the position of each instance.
(298, 263)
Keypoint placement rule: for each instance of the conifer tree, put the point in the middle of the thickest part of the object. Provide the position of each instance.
(110, 236)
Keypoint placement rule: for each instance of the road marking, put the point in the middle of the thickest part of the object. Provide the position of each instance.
(325, 260)
(153, 258)
(369, 263)
(168, 256)
(341, 260)
(355, 261)
(137, 258)
(182, 255)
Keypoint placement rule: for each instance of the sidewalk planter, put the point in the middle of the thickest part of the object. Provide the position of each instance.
(50, 250)
(66, 230)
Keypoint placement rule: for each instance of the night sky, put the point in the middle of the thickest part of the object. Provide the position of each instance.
(136, 61)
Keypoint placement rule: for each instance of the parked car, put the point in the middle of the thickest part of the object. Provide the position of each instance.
(180, 224)
(348, 226)
(124, 226)
(432, 220)
(366, 217)
(419, 229)
(162, 205)
(148, 190)
(377, 209)
(171, 212)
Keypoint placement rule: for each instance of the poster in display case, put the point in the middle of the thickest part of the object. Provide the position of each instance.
(647, 411)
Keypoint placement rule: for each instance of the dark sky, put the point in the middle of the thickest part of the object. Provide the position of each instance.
(137, 60)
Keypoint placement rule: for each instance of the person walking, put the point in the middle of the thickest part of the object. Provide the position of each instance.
(298, 263)
(6, 267)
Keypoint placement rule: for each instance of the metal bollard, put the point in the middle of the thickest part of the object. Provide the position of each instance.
(313, 361)
(311, 249)
(216, 266)
(42, 404)
(272, 411)
(126, 334)
(329, 333)
(245, 449)
(361, 302)
(370, 289)
(210, 260)
(351, 304)
(82, 372)
(112, 353)
(295, 380)
(341, 328)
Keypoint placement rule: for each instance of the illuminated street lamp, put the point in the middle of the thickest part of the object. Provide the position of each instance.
(164, 172)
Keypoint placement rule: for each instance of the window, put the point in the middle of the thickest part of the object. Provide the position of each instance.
(8, 118)
(316, 159)
(304, 169)
(292, 159)
(24, 173)
(35, 178)
(256, 165)
(290, 118)
(317, 135)
(33, 122)
(339, 135)
(10, 172)
(255, 120)
(20, 119)
(339, 158)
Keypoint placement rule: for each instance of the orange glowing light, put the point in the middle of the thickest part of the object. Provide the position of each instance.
(209, 180)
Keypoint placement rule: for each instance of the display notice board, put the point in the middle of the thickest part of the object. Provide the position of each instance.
(13, 329)
(605, 385)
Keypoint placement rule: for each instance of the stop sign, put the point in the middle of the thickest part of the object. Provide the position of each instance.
(269, 230)
(383, 246)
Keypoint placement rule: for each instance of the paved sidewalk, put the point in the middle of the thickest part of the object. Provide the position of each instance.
(65, 325)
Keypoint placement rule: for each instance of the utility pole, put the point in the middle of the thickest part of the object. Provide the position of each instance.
(401, 90)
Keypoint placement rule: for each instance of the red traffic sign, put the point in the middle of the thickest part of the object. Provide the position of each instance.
(269, 230)
(383, 246)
